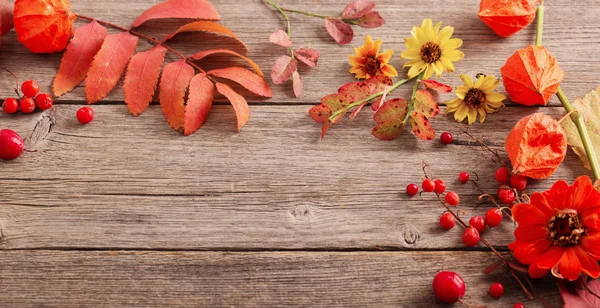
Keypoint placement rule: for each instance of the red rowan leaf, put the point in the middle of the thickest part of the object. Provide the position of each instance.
(339, 30)
(297, 83)
(79, 56)
(357, 8)
(43, 26)
(353, 92)
(203, 54)
(242, 111)
(206, 26)
(141, 78)
(390, 119)
(190, 9)
(283, 68)
(425, 103)
(6, 17)
(436, 86)
(378, 83)
(174, 82)
(371, 20)
(420, 126)
(246, 78)
(108, 65)
(280, 38)
(199, 103)
(307, 56)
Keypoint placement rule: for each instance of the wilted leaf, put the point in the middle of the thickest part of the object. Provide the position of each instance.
(506, 17)
(339, 30)
(242, 111)
(436, 86)
(308, 56)
(174, 82)
(79, 56)
(378, 83)
(420, 126)
(390, 119)
(371, 20)
(580, 297)
(283, 68)
(297, 83)
(199, 103)
(536, 146)
(189, 9)
(141, 78)
(43, 26)
(357, 8)
(280, 38)
(6, 17)
(246, 78)
(426, 104)
(203, 54)
(353, 92)
(108, 65)
(206, 26)
(589, 108)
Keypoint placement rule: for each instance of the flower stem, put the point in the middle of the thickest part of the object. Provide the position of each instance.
(306, 13)
(540, 25)
(411, 103)
(288, 24)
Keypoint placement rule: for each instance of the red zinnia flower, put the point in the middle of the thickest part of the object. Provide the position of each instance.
(559, 231)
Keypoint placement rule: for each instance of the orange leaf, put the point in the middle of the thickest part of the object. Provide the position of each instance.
(108, 65)
(203, 54)
(43, 26)
(191, 9)
(141, 78)
(536, 146)
(282, 69)
(507, 17)
(246, 78)
(390, 119)
(420, 126)
(340, 31)
(174, 82)
(436, 86)
(199, 103)
(280, 38)
(79, 56)
(206, 26)
(242, 111)
(531, 76)
(297, 84)
(426, 104)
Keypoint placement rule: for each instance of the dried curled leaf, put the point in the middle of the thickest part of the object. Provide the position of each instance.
(206, 26)
(297, 83)
(536, 146)
(280, 38)
(371, 20)
(141, 78)
(531, 76)
(340, 31)
(203, 54)
(507, 17)
(190, 9)
(199, 103)
(307, 56)
(420, 126)
(246, 78)
(242, 111)
(283, 68)
(43, 26)
(390, 119)
(174, 82)
(426, 104)
(589, 108)
(436, 86)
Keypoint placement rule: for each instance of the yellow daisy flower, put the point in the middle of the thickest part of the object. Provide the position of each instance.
(475, 98)
(431, 50)
(368, 62)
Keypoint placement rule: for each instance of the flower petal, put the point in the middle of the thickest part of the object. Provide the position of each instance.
(526, 252)
(495, 97)
(556, 196)
(385, 56)
(536, 272)
(589, 265)
(453, 55)
(582, 188)
(591, 244)
(550, 257)
(529, 214)
(461, 91)
(451, 44)
(467, 80)
(444, 34)
(412, 43)
(569, 265)
(541, 203)
(472, 115)
(411, 54)
(428, 71)
(389, 70)
(416, 69)
(530, 233)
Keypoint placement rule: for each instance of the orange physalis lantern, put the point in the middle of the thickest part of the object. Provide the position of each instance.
(43, 26)
(531, 76)
(507, 17)
(536, 146)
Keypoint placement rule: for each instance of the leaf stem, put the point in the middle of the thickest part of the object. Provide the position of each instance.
(540, 25)
(288, 24)
(306, 13)
(411, 103)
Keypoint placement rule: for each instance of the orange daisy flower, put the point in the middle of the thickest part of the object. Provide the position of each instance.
(559, 231)
(368, 62)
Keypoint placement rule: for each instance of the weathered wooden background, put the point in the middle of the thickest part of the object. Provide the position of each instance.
(126, 212)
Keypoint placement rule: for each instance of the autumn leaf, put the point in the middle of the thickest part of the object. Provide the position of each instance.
(242, 111)
(339, 30)
(283, 68)
(579, 296)
(190, 9)
(79, 56)
(43, 26)
(203, 54)
(174, 82)
(297, 83)
(246, 78)
(206, 26)
(141, 78)
(589, 108)
(199, 103)
(108, 65)
(370, 20)
(6, 17)
(307, 56)
(390, 119)
(321, 113)
(353, 91)
(426, 104)
(357, 9)
(378, 83)
(420, 126)
(280, 38)
(436, 86)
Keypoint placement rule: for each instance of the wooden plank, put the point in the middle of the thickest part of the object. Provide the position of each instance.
(260, 279)
(123, 182)
(569, 33)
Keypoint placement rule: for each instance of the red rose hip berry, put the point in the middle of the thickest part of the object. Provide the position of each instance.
(493, 217)
(440, 186)
(449, 287)
(447, 221)
(470, 237)
(27, 105)
(446, 138)
(11, 144)
(506, 195)
(496, 290)
(463, 177)
(10, 105)
(85, 115)
(412, 189)
(428, 185)
(518, 182)
(30, 88)
(519, 305)
(478, 223)
(44, 101)
(452, 198)
(501, 175)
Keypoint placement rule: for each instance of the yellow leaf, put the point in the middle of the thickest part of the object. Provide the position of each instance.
(589, 108)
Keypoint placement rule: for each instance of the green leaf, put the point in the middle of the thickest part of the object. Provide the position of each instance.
(390, 119)
(426, 104)
(589, 108)
(420, 126)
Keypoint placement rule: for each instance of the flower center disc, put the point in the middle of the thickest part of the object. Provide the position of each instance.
(372, 65)
(565, 229)
(474, 98)
(431, 52)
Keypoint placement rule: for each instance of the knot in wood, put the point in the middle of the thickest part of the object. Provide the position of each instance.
(302, 212)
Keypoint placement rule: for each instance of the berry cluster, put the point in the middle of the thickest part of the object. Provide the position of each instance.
(449, 287)
(30, 99)
(509, 184)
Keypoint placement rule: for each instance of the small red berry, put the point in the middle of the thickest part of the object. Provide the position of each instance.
(449, 287)
(30, 88)
(506, 195)
(452, 198)
(11, 144)
(44, 101)
(85, 115)
(463, 177)
(518, 182)
(10, 105)
(493, 217)
(447, 221)
(470, 237)
(412, 189)
(446, 138)
(478, 223)
(428, 185)
(519, 305)
(496, 290)
(27, 105)
(440, 186)
(501, 175)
